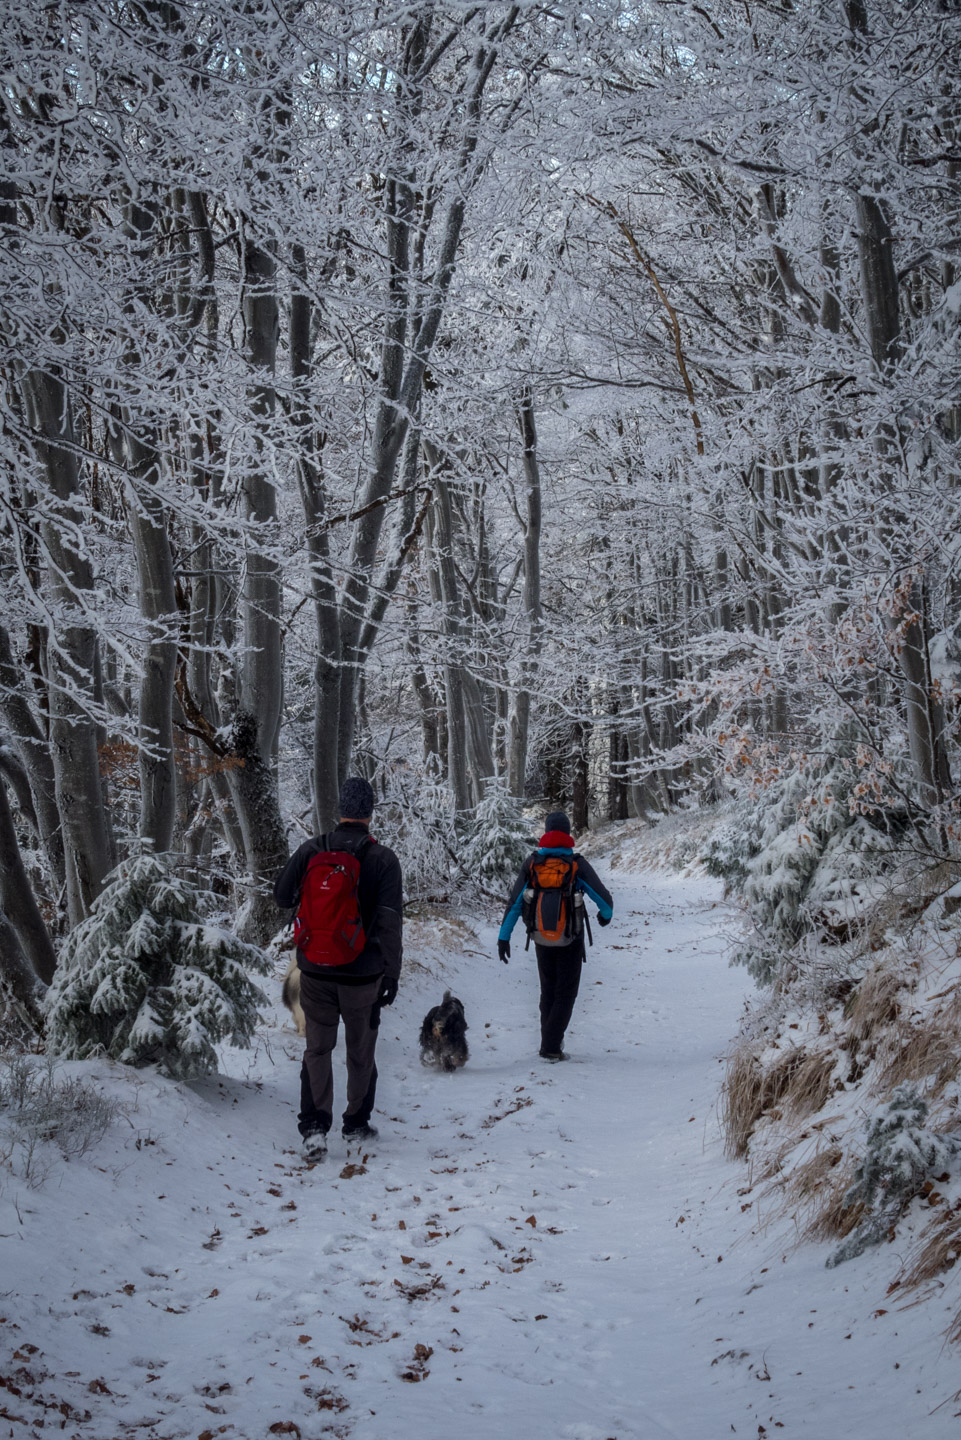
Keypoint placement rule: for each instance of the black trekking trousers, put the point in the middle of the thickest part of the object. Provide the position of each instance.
(325, 1004)
(559, 968)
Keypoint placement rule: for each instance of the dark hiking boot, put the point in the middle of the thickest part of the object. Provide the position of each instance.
(359, 1132)
(552, 1055)
(314, 1146)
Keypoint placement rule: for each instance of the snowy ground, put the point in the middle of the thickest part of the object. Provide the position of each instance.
(528, 1250)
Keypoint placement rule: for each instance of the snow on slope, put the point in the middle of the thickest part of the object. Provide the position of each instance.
(528, 1251)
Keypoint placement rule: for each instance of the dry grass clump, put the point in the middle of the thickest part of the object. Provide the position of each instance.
(802, 1186)
(929, 1049)
(798, 1081)
(875, 1004)
(808, 1179)
(834, 1220)
(809, 1084)
(937, 1251)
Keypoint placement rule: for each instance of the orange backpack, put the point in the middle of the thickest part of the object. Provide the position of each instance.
(550, 912)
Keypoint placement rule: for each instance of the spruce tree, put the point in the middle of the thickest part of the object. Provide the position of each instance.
(900, 1154)
(148, 978)
(499, 840)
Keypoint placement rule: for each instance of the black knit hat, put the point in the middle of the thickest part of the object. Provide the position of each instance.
(557, 820)
(356, 799)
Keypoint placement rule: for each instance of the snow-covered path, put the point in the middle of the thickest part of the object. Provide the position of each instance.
(529, 1250)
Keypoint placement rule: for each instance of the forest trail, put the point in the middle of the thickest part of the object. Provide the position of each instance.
(532, 1251)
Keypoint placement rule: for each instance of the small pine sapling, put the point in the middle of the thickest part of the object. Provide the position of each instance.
(147, 979)
(498, 839)
(900, 1154)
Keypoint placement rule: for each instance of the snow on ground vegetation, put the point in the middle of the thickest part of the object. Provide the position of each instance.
(527, 1250)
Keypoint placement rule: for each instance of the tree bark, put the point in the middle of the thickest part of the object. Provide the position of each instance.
(464, 697)
(34, 751)
(909, 636)
(18, 903)
(521, 714)
(73, 658)
(155, 573)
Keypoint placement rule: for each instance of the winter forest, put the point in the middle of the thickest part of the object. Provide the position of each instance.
(518, 405)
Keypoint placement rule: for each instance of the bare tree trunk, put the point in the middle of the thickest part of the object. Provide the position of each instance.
(73, 656)
(925, 713)
(327, 668)
(155, 573)
(34, 752)
(521, 715)
(909, 637)
(637, 749)
(253, 786)
(254, 730)
(17, 899)
(428, 702)
(462, 685)
(453, 690)
(879, 282)
(581, 737)
(20, 992)
(261, 670)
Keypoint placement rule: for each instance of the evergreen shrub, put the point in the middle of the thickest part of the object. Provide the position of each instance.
(497, 839)
(149, 978)
(900, 1154)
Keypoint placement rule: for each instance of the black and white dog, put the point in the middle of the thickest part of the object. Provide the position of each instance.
(442, 1035)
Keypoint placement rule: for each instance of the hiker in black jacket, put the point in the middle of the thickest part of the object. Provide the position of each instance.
(353, 992)
(559, 962)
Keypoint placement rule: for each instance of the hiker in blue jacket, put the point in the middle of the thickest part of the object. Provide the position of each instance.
(549, 892)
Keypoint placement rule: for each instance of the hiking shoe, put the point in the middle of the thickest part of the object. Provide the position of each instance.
(552, 1055)
(315, 1146)
(359, 1132)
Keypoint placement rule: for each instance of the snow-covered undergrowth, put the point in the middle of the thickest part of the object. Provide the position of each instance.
(842, 1091)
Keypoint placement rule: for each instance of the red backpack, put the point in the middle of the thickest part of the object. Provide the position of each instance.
(328, 929)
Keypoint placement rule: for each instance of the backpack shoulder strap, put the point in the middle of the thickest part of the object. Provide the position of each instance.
(361, 846)
(358, 848)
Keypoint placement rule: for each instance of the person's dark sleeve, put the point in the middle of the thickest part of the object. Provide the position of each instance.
(515, 903)
(288, 884)
(385, 935)
(594, 888)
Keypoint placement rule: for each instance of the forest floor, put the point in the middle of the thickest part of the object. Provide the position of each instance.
(528, 1251)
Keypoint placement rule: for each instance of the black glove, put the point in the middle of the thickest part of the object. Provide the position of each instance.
(504, 950)
(387, 993)
(601, 921)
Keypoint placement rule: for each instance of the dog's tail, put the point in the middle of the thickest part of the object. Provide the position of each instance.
(291, 995)
(447, 996)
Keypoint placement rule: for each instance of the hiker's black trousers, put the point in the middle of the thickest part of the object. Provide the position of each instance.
(325, 1004)
(560, 970)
